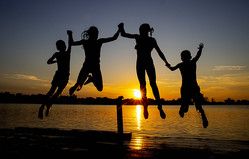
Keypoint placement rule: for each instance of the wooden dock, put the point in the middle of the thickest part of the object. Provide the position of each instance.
(48, 141)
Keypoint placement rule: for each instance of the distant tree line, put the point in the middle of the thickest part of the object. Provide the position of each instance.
(6, 97)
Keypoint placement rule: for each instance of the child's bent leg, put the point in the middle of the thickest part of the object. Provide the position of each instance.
(183, 109)
(185, 99)
(53, 98)
(97, 79)
(51, 91)
(46, 101)
(203, 116)
(198, 99)
(184, 106)
(89, 80)
(80, 81)
(40, 113)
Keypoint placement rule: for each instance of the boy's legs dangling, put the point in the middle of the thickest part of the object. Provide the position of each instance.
(54, 97)
(184, 107)
(198, 99)
(46, 101)
(185, 99)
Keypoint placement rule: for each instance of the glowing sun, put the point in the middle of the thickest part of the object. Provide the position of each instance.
(137, 93)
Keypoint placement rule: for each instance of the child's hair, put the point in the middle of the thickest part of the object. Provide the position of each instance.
(91, 32)
(60, 45)
(186, 55)
(145, 28)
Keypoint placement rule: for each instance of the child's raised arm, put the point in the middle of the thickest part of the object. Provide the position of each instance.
(106, 40)
(124, 34)
(198, 55)
(70, 40)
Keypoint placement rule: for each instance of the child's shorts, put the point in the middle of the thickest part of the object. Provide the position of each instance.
(188, 93)
(60, 79)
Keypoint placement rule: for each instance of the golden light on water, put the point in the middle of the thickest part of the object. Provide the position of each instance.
(138, 140)
(139, 114)
(137, 143)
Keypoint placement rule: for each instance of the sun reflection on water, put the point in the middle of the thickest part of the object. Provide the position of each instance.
(139, 113)
(137, 143)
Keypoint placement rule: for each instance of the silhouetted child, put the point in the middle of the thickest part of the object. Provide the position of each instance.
(144, 46)
(60, 80)
(92, 46)
(190, 89)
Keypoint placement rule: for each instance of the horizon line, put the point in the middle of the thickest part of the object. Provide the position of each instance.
(212, 100)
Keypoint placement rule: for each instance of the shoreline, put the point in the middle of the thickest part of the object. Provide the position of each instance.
(40, 142)
(7, 97)
(164, 104)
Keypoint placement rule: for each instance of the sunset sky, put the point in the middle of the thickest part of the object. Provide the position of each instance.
(29, 30)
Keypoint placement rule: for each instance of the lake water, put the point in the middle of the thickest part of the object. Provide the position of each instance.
(228, 125)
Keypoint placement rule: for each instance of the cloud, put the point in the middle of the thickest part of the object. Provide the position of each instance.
(226, 79)
(227, 85)
(22, 76)
(228, 68)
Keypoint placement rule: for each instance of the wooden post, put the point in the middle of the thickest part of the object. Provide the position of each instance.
(120, 115)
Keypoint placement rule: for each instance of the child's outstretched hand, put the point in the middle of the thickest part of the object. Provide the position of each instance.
(201, 45)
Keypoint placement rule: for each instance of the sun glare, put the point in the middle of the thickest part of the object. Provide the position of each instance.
(137, 93)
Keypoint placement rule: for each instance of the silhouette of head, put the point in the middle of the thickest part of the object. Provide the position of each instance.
(186, 55)
(145, 28)
(60, 45)
(92, 33)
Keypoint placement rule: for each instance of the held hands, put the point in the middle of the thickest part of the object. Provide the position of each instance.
(168, 65)
(121, 26)
(69, 32)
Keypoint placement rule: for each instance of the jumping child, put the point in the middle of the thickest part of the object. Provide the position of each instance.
(190, 89)
(60, 80)
(92, 46)
(144, 46)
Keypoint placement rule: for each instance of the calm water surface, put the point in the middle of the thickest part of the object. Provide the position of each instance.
(226, 123)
